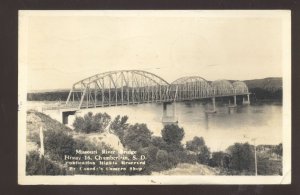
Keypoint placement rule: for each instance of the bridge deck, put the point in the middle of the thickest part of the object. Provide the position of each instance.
(75, 106)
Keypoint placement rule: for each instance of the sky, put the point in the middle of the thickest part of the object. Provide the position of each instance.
(61, 49)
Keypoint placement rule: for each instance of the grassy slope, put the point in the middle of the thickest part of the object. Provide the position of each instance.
(36, 119)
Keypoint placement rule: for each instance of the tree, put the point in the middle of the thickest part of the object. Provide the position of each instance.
(78, 123)
(100, 121)
(119, 126)
(203, 155)
(219, 159)
(242, 158)
(150, 153)
(137, 136)
(172, 134)
(162, 158)
(278, 150)
(198, 145)
(195, 144)
(158, 142)
(41, 166)
(58, 144)
(92, 123)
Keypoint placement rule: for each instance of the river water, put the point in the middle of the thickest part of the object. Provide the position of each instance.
(262, 122)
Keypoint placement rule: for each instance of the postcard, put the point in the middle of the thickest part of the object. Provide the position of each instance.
(154, 97)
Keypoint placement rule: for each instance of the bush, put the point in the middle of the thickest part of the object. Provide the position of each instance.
(162, 158)
(203, 155)
(278, 150)
(267, 166)
(150, 153)
(58, 143)
(172, 135)
(219, 159)
(119, 126)
(158, 142)
(137, 136)
(186, 157)
(92, 123)
(198, 146)
(242, 158)
(195, 144)
(41, 166)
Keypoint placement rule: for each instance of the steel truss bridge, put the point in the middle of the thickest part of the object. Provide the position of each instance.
(127, 87)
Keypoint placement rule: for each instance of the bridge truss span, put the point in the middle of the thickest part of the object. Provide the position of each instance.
(125, 87)
(240, 87)
(115, 88)
(188, 88)
(222, 88)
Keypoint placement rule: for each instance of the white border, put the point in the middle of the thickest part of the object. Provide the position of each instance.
(285, 15)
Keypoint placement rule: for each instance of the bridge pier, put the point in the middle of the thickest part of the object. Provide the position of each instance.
(234, 100)
(169, 113)
(246, 102)
(214, 106)
(230, 106)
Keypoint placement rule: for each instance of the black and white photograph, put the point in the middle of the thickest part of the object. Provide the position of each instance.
(154, 97)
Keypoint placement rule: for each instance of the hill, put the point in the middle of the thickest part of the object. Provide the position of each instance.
(265, 89)
(270, 84)
(36, 119)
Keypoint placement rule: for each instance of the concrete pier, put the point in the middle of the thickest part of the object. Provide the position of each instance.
(234, 100)
(169, 113)
(247, 101)
(213, 110)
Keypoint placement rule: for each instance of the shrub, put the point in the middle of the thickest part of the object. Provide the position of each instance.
(41, 166)
(158, 142)
(78, 123)
(267, 166)
(278, 150)
(195, 144)
(137, 136)
(242, 158)
(119, 126)
(219, 159)
(92, 123)
(198, 146)
(203, 155)
(58, 143)
(162, 158)
(172, 134)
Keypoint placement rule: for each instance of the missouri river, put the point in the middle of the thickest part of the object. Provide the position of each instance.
(260, 121)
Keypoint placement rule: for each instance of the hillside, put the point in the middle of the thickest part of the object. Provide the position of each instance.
(270, 84)
(265, 89)
(36, 119)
